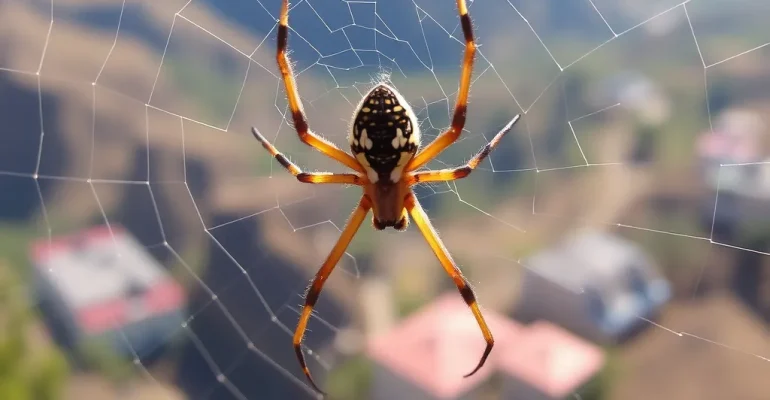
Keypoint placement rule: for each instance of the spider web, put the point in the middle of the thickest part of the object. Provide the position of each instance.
(137, 114)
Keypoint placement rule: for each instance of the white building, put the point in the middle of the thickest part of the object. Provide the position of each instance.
(731, 157)
(103, 285)
(595, 284)
(635, 92)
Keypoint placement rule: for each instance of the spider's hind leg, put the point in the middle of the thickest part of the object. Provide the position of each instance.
(431, 236)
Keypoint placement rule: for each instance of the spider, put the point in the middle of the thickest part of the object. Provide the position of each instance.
(386, 154)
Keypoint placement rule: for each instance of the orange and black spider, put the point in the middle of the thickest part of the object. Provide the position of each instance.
(385, 141)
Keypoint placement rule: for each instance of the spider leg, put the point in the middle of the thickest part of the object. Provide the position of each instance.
(295, 103)
(451, 174)
(307, 177)
(431, 236)
(323, 273)
(461, 105)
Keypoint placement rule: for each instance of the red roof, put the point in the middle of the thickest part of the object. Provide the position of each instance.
(94, 291)
(551, 359)
(439, 344)
(43, 248)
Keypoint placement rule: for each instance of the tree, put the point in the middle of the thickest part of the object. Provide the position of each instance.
(28, 371)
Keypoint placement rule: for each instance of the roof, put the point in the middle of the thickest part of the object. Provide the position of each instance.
(574, 263)
(735, 138)
(106, 277)
(439, 344)
(551, 359)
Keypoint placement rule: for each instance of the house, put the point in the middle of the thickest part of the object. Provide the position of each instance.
(736, 173)
(426, 356)
(101, 286)
(594, 284)
(730, 155)
(547, 362)
(635, 92)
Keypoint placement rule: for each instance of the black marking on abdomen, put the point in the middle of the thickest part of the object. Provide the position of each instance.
(383, 130)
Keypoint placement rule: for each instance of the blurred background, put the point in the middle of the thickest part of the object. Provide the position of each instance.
(617, 239)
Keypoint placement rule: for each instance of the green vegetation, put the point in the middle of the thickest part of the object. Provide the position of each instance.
(194, 263)
(14, 246)
(601, 385)
(28, 371)
(409, 302)
(99, 356)
(214, 93)
(351, 379)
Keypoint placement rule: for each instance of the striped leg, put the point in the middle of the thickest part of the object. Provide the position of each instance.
(295, 104)
(451, 174)
(320, 278)
(307, 177)
(431, 236)
(461, 105)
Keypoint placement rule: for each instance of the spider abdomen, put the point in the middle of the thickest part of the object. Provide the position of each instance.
(384, 135)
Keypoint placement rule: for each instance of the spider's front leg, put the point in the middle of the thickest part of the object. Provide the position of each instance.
(445, 139)
(307, 177)
(450, 174)
(295, 103)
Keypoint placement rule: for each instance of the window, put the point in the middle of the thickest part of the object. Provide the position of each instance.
(636, 280)
(596, 306)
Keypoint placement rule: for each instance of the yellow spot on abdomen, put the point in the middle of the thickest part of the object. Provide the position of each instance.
(370, 173)
(365, 141)
(395, 175)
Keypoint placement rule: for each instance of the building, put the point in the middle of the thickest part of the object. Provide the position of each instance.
(101, 286)
(731, 158)
(635, 92)
(734, 167)
(548, 363)
(595, 284)
(426, 356)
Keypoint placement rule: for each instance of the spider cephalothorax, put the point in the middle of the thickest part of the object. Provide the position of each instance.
(385, 140)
